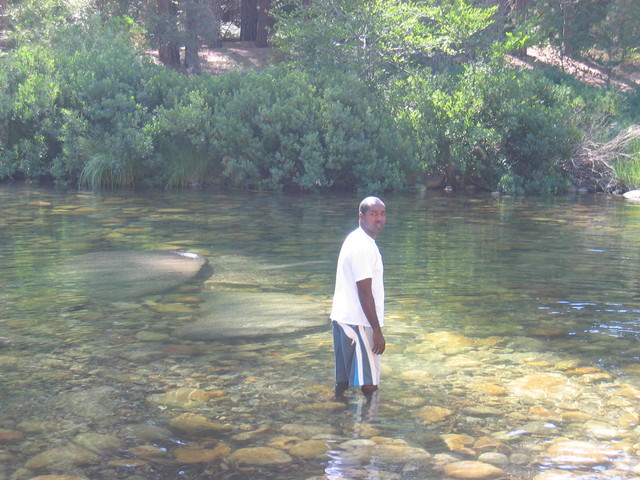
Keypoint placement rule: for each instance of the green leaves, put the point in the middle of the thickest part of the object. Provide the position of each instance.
(379, 38)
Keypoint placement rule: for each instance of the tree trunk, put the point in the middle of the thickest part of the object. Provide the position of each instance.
(249, 20)
(265, 22)
(168, 51)
(3, 13)
(214, 38)
(191, 57)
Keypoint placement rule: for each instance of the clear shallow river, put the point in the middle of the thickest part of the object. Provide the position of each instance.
(512, 331)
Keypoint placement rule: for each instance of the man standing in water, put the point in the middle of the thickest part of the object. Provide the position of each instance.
(358, 304)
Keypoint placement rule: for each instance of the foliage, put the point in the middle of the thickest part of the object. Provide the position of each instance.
(498, 128)
(96, 113)
(377, 95)
(280, 130)
(616, 36)
(379, 38)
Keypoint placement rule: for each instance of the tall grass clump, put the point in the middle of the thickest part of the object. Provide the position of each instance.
(627, 166)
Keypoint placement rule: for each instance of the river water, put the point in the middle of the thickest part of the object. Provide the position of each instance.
(512, 329)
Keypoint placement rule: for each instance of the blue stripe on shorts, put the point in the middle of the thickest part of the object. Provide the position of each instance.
(356, 364)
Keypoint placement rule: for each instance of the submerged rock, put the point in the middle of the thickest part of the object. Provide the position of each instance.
(61, 457)
(191, 454)
(576, 453)
(259, 456)
(196, 424)
(127, 274)
(93, 402)
(471, 469)
(97, 443)
(184, 397)
(252, 314)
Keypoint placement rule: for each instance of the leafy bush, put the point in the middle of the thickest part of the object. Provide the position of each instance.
(82, 106)
(498, 128)
(280, 131)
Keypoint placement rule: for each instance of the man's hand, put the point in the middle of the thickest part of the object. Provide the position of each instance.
(379, 343)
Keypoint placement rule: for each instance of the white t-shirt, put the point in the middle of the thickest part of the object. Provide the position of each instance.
(359, 259)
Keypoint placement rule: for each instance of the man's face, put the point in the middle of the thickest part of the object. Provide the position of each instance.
(374, 219)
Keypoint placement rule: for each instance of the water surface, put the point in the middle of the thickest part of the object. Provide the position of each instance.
(512, 326)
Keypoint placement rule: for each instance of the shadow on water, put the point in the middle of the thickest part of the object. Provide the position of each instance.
(512, 329)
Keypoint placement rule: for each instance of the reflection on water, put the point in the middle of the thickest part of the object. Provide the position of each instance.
(512, 332)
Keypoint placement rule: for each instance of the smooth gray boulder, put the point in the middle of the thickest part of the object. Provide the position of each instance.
(253, 314)
(121, 275)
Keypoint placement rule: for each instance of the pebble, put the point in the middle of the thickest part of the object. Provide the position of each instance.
(259, 456)
(576, 453)
(10, 436)
(98, 443)
(309, 449)
(432, 414)
(190, 454)
(58, 477)
(197, 424)
(185, 397)
(61, 457)
(494, 458)
(472, 470)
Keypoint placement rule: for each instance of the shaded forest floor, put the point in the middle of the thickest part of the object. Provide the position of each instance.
(244, 56)
(236, 56)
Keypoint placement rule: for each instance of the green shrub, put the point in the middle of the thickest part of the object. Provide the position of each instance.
(280, 131)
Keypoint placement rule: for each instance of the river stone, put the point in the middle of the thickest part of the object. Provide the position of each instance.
(601, 430)
(457, 442)
(432, 414)
(148, 451)
(90, 403)
(10, 436)
(184, 397)
(145, 432)
(556, 475)
(7, 360)
(494, 458)
(320, 407)
(576, 453)
(118, 275)
(541, 386)
(632, 195)
(61, 457)
(201, 455)
(482, 411)
(97, 443)
(308, 431)
(35, 426)
(284, 442)
(252, 314)
(196, 424)
(259, 456)
(309, 449)
(58, 477)
(389, 453)
(462, 361)
(450, 343)
(469, 469)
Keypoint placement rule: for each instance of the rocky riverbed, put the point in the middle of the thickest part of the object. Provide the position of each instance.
(139, 404)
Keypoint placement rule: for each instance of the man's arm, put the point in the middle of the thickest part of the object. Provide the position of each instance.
(369, 307)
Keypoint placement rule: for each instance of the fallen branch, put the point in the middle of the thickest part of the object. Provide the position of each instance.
(593, 165)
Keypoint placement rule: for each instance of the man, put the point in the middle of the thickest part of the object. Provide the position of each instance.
(358, 304)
